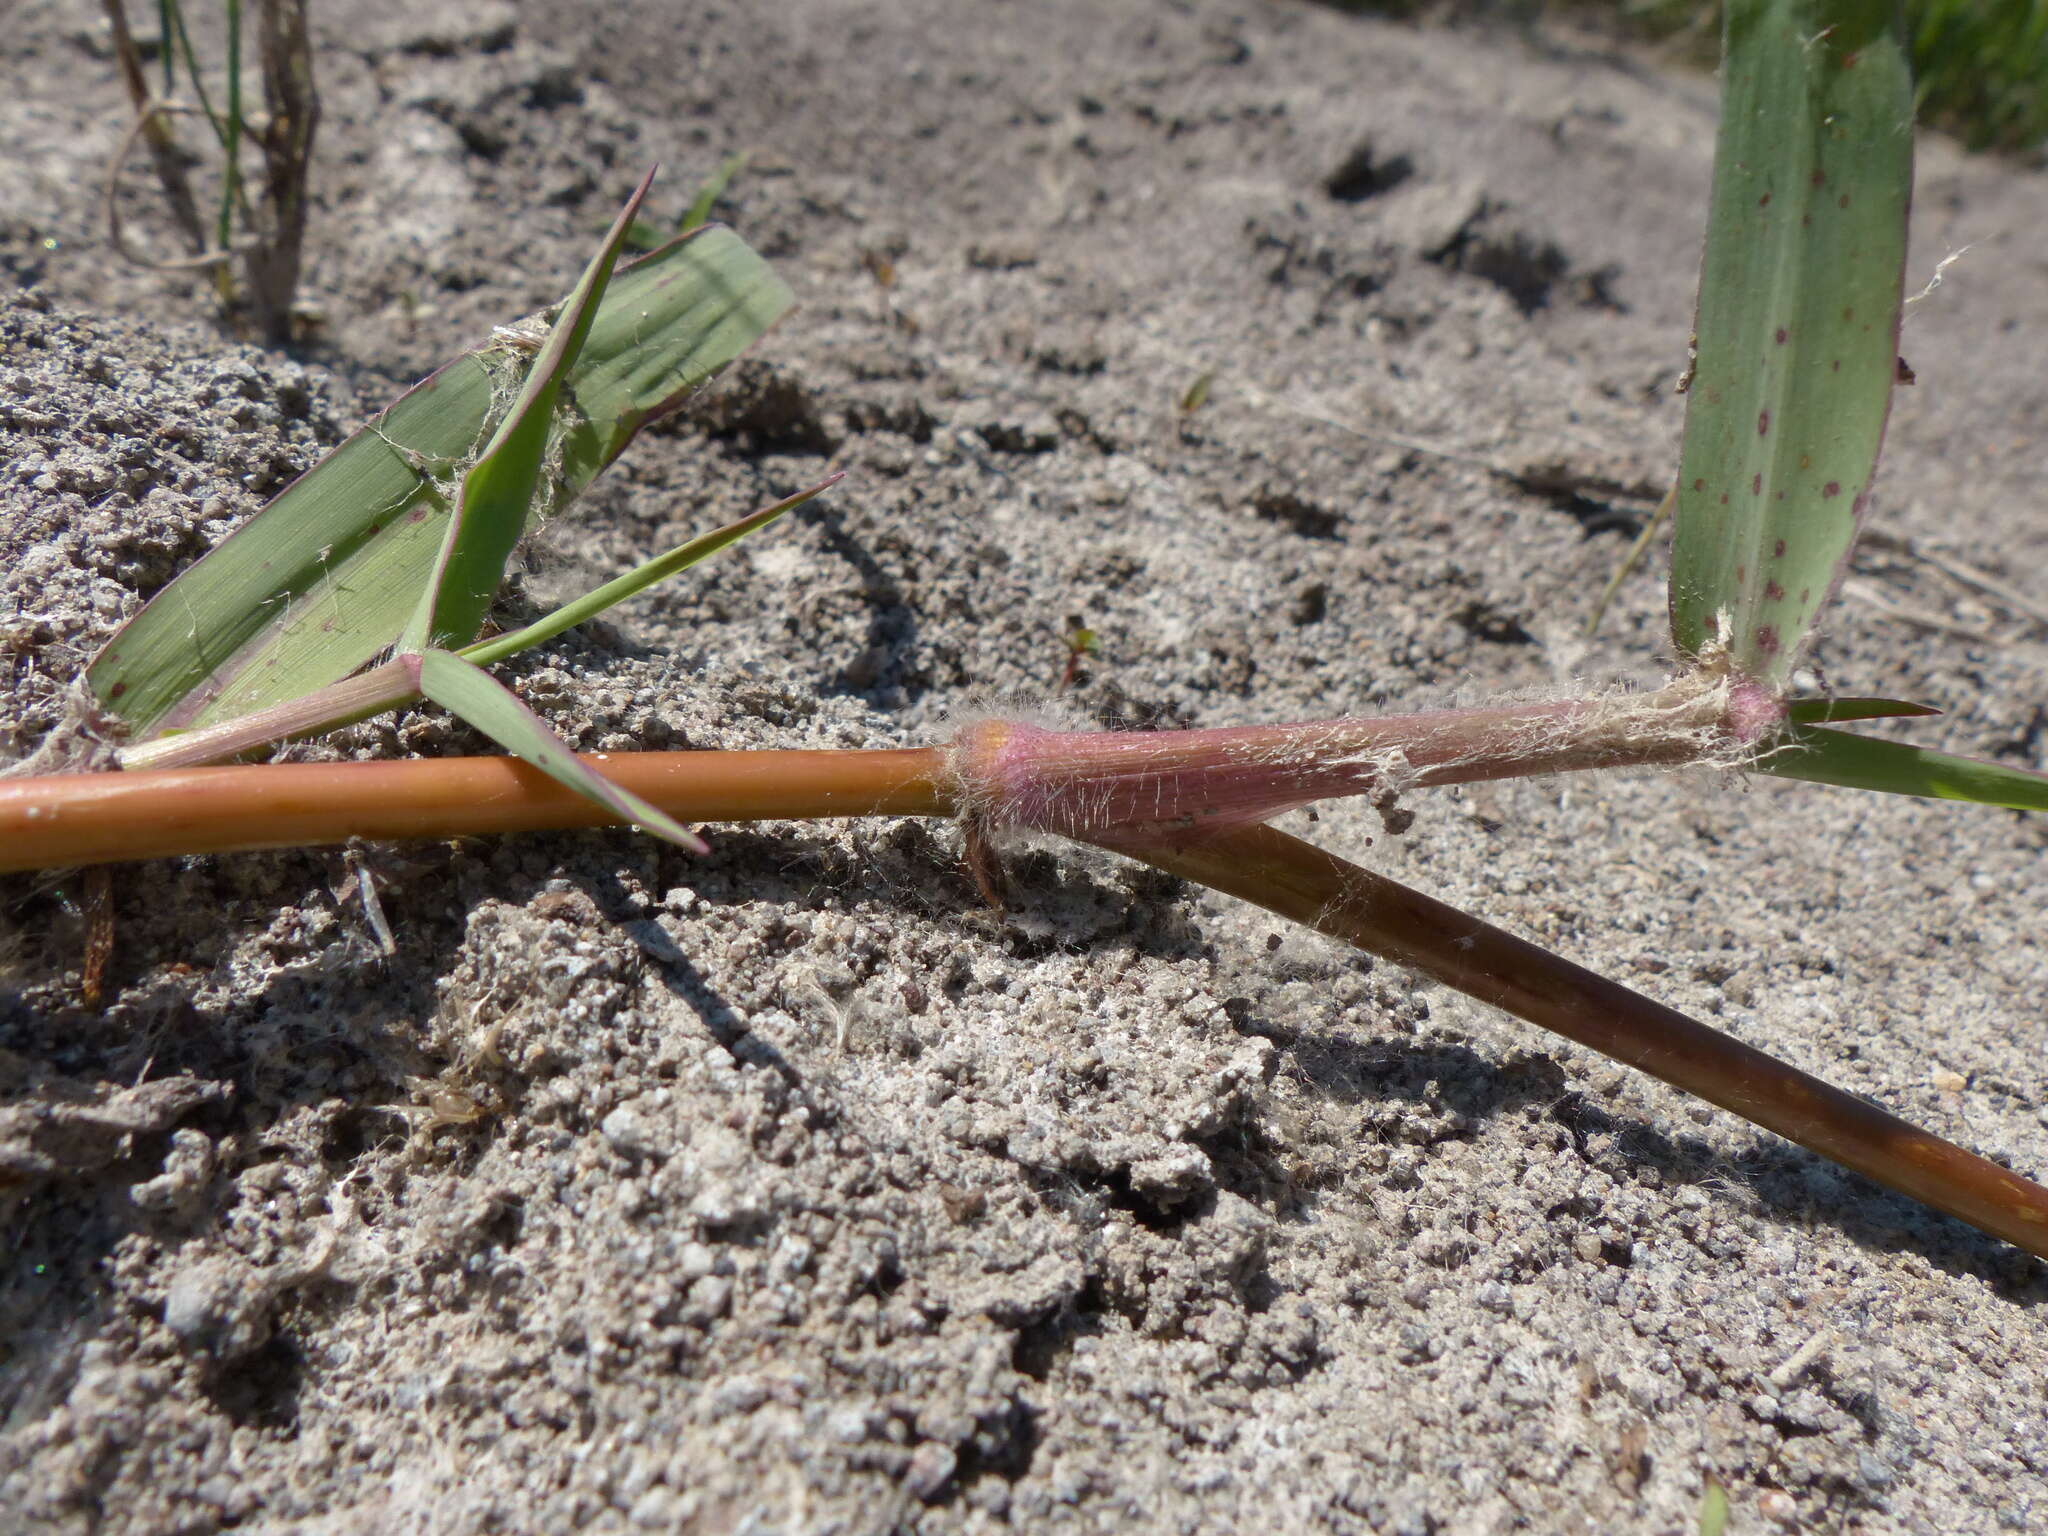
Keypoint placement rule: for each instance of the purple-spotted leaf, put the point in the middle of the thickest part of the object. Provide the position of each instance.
(1797, 331)
(1822, 756)
(468, 691)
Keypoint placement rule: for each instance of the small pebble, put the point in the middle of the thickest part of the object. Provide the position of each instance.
(931, 1467)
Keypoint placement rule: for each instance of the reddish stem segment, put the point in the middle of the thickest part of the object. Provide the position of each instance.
(96, 818)
(1129, 789)
(1299, 881)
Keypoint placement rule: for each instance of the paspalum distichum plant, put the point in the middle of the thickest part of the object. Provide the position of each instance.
(1797, 330)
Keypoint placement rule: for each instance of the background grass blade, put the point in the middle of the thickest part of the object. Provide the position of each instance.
(325, 577)
(1822, 756)
(466, 690)
(1798, 322)
(699, 211)
(1977, 64)
(500, 488)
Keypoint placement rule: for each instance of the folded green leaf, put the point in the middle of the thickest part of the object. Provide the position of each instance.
(325, 577)
(1798, 322)
(498, 492)
(466, 690)
(314, 586)
(1863, 762)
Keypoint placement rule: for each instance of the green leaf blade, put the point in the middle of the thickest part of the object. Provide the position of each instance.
(302, 594)
(1800, 298)
(669, 324)
(499, 490)
(466, 690)
(1826, 711)
(327, 576)
(1821, 756)
(641, 577)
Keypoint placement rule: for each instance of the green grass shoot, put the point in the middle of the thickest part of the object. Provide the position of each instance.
(398, 541)
(1713, 1509)
(326, 576)
(645, 234)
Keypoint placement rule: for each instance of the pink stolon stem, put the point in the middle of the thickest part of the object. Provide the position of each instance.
(1141, 786)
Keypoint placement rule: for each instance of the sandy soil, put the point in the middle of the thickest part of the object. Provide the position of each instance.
(787, 1190)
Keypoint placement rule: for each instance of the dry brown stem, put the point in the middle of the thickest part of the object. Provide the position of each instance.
(95, 818)
(1297, 880)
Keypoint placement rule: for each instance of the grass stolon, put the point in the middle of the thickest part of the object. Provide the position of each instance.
(1798, 323)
